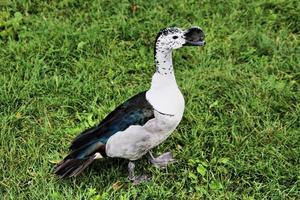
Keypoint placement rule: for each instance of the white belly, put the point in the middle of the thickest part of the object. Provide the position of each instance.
(137, 140)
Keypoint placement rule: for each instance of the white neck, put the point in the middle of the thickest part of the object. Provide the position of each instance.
(163, 61)
(164, 74)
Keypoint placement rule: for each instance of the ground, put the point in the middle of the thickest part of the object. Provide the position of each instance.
(66, 64)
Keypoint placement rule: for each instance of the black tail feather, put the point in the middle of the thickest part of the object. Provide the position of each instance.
(72, 167)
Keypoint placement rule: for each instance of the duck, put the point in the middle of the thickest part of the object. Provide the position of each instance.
(142, 122)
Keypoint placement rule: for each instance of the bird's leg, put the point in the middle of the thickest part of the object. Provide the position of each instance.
(131, 167)
(163, 160)
(136, 179)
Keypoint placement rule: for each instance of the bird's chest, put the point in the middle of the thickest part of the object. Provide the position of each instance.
(168, 101)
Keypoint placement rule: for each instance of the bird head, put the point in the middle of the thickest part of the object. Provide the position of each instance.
(174, 38)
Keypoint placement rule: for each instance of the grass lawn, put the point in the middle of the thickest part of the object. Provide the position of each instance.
(64, 65)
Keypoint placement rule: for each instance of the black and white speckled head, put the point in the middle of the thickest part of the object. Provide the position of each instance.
(174, 38)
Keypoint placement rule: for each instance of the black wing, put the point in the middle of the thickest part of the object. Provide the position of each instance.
(135, 111)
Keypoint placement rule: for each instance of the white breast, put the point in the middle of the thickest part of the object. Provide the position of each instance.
(165, 96)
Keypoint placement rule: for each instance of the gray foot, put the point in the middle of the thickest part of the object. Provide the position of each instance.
(163, 160)
(136, 180)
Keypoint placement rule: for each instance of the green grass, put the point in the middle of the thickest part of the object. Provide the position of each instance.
(65, 64)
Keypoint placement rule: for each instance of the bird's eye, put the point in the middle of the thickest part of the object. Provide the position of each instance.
(175, 37)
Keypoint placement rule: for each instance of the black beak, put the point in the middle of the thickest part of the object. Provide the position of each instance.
(194, 37)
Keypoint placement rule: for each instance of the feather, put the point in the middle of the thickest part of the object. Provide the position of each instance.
(72, 167)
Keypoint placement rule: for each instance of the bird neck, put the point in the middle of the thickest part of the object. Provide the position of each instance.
(163, 62)
(164, 75)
